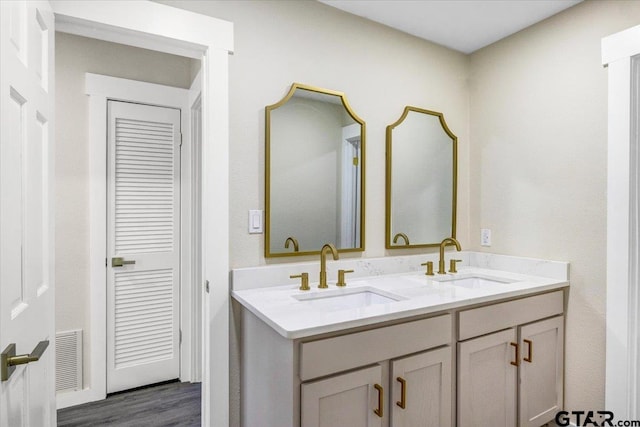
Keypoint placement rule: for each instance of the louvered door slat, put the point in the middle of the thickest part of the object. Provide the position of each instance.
(144, 198)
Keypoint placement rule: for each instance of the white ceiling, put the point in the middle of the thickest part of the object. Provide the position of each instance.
(462, 25)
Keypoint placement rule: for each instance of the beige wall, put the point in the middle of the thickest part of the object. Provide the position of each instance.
(381, 70)
(74, 57)
(539, 151)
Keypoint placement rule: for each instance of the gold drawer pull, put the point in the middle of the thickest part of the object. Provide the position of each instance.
(380, 411)
(403, 393)
(529, 357)
(517, 362)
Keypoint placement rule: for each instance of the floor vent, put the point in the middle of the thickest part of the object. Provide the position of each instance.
(69, 361)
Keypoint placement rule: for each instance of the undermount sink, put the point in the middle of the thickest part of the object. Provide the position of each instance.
(474, 281)
(347, 299)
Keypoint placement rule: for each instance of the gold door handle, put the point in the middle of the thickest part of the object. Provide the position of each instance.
(517, 362)
(403, 393)
(119, 262)
(529, 357)
(9, 360)
(380, 411)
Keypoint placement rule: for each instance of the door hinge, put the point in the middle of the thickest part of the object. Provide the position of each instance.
(180, 140)
(106, 262)
(180, 336)
(355, 161)
(206, 286)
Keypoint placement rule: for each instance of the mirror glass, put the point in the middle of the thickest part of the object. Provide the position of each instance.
(421, 180)
(314, 168)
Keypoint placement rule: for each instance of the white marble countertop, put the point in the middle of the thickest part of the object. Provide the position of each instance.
(413, 294)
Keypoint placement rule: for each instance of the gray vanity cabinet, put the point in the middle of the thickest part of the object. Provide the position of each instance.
(348, 378)
(509, 361)
(516, 370)
(417, 393)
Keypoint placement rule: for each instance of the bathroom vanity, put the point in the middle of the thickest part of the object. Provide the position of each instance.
(398, 348)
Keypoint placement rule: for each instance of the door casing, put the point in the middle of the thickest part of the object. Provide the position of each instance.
(209, 39)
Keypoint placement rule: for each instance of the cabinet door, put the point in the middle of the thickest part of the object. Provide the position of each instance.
(541, 371)
(424, 380)
(487, 380)
(347, 400)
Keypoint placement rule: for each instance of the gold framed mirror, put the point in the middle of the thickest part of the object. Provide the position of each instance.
(421, 180)
(314, 173)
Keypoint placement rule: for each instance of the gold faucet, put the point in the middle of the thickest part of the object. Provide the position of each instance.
(323, 263)
(444, 243)
(293, 240)
(399, 235)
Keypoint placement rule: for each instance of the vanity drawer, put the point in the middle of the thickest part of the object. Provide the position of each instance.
(484, 320)
(331, 355)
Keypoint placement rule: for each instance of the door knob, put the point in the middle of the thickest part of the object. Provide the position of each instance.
(9, 360)
(119, 262)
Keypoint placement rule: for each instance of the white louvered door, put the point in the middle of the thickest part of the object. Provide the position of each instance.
(143, 229)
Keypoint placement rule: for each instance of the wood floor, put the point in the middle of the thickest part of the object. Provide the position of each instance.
(169, 404)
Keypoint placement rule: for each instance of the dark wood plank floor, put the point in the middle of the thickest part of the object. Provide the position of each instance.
(164, 405)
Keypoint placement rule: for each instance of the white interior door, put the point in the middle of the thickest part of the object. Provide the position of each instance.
(27, 395)
(143, 245)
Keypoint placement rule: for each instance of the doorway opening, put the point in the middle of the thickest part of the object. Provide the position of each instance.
(145, 216)
(177, 31)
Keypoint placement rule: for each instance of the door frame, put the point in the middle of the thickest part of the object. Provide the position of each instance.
(100, 90)
(622, 378)
(209, 39)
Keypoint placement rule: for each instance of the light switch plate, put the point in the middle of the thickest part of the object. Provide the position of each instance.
(255, 221)
(485, 237)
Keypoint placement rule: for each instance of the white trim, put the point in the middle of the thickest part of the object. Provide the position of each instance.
(146, 23)
(622, 309)
(73, 398)
(196, 309)
(189, 34)
(621, 45)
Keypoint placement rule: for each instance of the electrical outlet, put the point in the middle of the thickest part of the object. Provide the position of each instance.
(485, 237)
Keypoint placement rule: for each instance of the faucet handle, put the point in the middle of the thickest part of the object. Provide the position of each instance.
(429, 265)
(452, 265)
(304, 285)
(341, 274)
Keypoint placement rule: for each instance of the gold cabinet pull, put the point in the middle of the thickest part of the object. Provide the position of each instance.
(529, 357)
(380, 411)
(120, 262)
(9, 360)
(403, 393)
(517, 362)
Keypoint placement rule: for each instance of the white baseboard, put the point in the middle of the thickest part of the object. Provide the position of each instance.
(73, 398)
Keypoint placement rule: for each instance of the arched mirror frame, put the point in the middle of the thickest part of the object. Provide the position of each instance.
(389, 142)
(267, 173)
